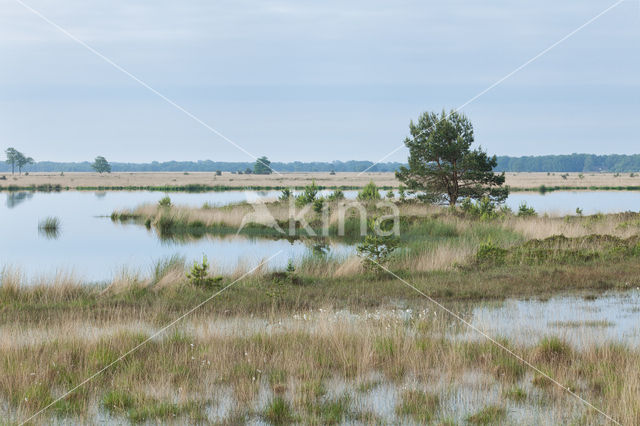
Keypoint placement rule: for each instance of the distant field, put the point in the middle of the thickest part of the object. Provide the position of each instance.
(123, 180)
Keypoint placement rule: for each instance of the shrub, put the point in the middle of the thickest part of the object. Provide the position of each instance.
(401, 193)
(524, 210)
(390, 195)
(318, 204)
(309, 194)
(376, 250)
(199, 274)
(218, 173)
(578, 211)
(484, 208)
(369, 192)
(336, 195)
(332, 172)
(285, 194)
(491, 254)
(165, 202)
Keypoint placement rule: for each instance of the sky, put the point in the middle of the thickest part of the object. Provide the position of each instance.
(313, 81)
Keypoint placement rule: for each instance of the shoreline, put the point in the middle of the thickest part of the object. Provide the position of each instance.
(205, 181)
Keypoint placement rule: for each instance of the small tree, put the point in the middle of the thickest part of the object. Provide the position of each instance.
(369, 192)
(262, 166)
(23, 161)
(376, 250)
(101, 165)
(309, 194)
(12, 158)
(442, 166)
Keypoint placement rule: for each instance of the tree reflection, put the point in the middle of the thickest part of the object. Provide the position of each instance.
(15, 198)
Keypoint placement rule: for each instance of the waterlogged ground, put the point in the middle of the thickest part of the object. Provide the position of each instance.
(89, 245)
(491, 386)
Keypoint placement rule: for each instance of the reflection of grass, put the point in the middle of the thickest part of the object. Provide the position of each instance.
(50, 227)
(578, 324)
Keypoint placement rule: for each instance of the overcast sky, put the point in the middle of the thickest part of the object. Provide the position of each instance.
(314, 80)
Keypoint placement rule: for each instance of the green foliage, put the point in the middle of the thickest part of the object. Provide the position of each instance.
(318, 205)
(402, 196)
(561, 250)
(116, 401)
(199, 275)
(376, 250)
(483, 208)
(442, 166)
(491, 254)
(516, 394)
(576, 163)
(290, 267)
(579, 211)
(526, 211)
(336, 195)
(278, 412)
(390, 195)
(308, 196)
(369, 192)
(16, 158)
(262, 166)
(285, 194)
(488, 416)
(165, 202)
(101, 165)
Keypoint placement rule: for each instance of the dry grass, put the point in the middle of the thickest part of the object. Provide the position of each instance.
(307, 359)
(139, 179)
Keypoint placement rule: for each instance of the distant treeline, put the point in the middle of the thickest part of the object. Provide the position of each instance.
(570, 163)
(210, 166)
(544, 163)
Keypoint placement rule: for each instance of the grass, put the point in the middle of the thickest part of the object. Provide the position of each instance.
(267, 346)
(489, 415)
(182, 373)
(418, 405)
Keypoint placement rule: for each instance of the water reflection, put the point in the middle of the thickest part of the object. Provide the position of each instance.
(16, 198)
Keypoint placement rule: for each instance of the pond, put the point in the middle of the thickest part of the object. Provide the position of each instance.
(96, 249)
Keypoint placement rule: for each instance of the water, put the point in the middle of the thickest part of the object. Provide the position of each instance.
(96, 249)
(566, 202)
(579, 321)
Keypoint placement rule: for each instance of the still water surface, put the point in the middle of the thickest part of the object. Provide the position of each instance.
(96, 249)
